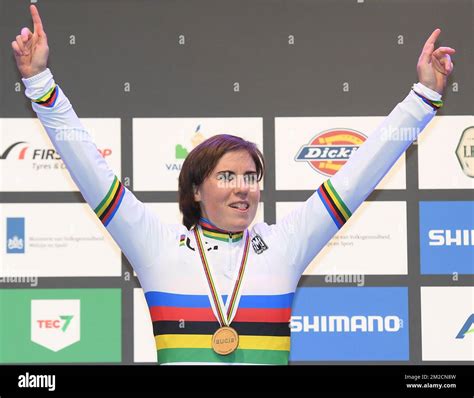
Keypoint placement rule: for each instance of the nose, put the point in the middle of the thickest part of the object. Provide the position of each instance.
(242, 187)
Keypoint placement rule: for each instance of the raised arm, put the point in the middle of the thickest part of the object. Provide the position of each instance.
(310, 226)
(132, 225)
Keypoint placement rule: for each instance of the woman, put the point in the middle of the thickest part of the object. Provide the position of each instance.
(217, 291)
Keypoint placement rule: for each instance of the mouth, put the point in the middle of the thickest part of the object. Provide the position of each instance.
(241, 206)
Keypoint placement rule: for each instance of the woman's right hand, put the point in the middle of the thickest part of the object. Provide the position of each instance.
(31, 49)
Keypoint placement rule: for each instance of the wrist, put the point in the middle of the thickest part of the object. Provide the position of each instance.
(427, 92)
(38, 84)
(429, 96)
(31, 73)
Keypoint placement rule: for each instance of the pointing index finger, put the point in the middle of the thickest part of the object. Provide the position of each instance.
(432, 40)
(37, 24)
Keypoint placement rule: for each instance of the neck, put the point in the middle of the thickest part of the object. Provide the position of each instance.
(212, 231)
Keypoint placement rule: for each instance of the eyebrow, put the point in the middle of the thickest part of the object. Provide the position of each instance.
(233, 172)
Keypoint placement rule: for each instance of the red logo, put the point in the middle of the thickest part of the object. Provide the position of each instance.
(328, 151)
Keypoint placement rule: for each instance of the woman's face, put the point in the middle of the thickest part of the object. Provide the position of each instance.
(229, 196)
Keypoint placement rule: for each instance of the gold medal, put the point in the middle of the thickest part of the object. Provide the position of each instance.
(225, 340)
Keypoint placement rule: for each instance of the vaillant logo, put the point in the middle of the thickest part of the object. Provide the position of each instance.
(181, 151)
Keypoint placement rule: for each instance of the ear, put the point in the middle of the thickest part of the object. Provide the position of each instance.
(197, 193)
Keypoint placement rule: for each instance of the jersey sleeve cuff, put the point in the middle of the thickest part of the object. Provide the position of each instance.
(427, 92)
(38, 85)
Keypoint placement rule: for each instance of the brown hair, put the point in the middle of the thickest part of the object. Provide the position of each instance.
(199, 164)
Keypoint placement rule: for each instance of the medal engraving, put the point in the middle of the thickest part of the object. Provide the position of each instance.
(225, 340)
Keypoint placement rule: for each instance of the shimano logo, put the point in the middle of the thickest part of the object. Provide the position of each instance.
(349, 324)
(448, 237)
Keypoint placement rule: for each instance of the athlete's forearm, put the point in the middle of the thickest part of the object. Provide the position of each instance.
(371, 162)
(86, 165)
(127, 219)
(316, 221)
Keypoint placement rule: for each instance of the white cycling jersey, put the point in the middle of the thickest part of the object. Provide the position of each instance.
(166, 259)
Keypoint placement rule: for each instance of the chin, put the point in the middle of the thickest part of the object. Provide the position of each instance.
(237, 223)
(236, 226)
(240, 226)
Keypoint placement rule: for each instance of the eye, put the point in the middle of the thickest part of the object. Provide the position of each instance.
(250, 178)
(226, 176)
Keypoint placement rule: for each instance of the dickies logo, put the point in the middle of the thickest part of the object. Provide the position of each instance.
(328, 151)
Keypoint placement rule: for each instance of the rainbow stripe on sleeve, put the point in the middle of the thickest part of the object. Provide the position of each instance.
(335, 206)
(110, 204)
(49, 99)
(183, 326)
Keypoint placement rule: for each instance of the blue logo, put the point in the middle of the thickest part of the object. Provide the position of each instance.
(447, 237)
(15, 234)
(350, 324)
(466, 327)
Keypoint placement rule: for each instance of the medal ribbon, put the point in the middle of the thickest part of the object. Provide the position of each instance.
(223, 318)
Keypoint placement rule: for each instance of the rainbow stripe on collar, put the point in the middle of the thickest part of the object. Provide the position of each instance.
(209, 230)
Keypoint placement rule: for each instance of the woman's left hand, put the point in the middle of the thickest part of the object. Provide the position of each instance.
(434, 66)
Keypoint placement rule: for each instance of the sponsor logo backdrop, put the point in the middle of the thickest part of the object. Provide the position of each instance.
(308, 93)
